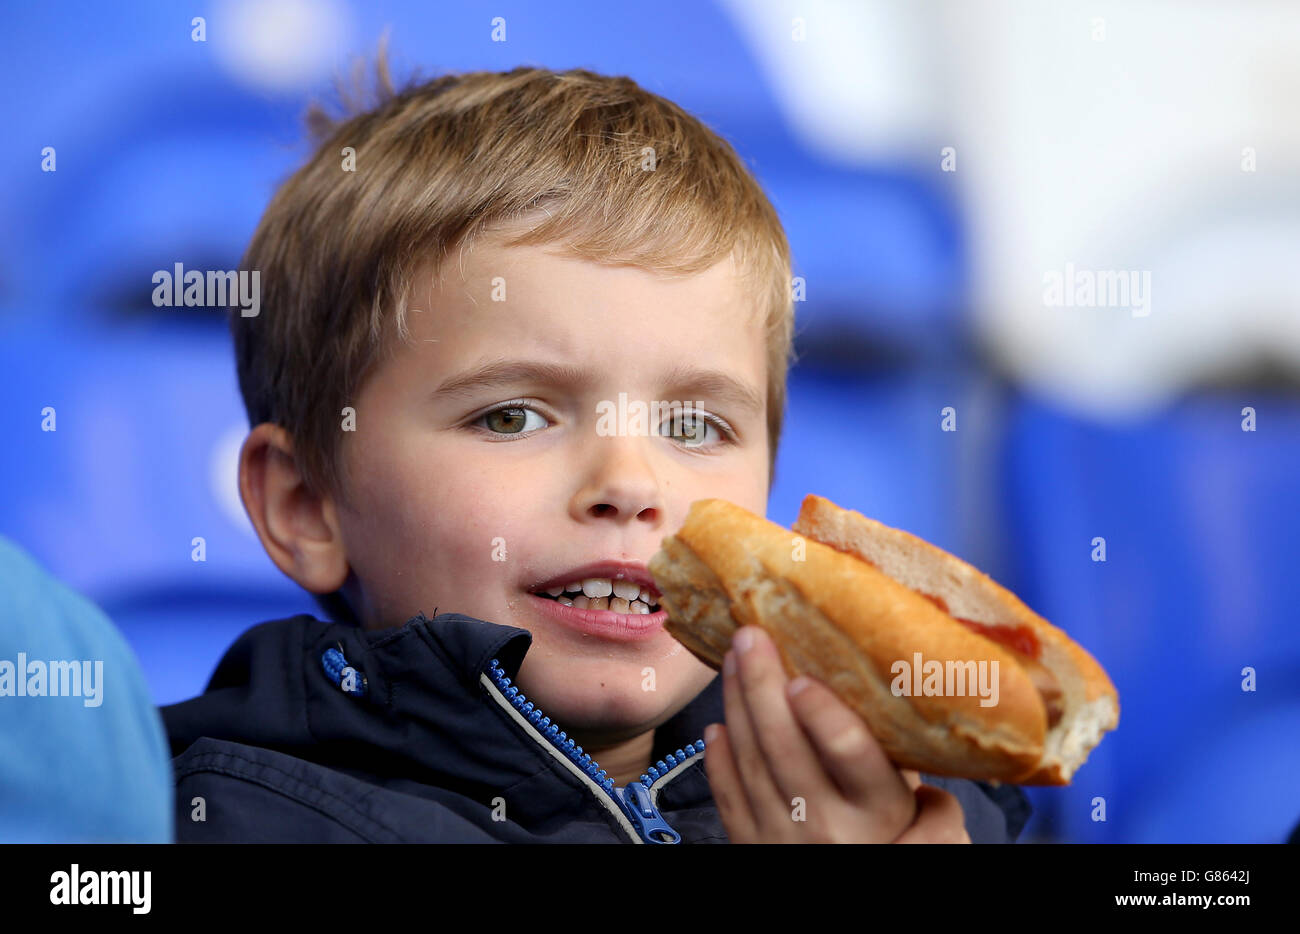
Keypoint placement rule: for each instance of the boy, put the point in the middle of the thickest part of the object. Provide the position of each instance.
(456, 286)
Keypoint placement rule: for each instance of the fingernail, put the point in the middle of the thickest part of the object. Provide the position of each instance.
(798, 684)
(744, 640)
(710, 733)
(729, 664)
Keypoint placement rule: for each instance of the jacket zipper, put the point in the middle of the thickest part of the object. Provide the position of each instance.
(633, 805)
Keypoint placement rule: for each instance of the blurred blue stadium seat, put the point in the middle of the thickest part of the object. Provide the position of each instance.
(1198, 583)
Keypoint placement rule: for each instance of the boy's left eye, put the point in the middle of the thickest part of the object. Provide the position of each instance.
(511, 420)
(693, 430)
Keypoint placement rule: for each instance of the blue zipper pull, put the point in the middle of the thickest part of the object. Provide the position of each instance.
(635, 799)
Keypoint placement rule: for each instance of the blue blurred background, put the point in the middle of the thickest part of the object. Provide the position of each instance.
(1094, 134)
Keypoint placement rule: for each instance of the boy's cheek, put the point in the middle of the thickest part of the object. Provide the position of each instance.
(422, 536)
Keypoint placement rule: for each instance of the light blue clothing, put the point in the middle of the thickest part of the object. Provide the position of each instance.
(88, 760)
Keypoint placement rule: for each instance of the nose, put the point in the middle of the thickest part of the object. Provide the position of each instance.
(622, 486)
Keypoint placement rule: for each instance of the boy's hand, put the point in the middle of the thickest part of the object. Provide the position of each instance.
(805, 769)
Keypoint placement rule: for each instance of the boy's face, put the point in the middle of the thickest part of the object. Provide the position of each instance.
(451, 507)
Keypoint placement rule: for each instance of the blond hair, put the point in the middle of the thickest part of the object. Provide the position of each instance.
(441, 162)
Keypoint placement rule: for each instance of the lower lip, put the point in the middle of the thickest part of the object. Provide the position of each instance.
(624, 627)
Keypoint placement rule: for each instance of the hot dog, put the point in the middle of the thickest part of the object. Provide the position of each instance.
(865, 608)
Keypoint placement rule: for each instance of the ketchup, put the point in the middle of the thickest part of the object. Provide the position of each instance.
(1017, 638)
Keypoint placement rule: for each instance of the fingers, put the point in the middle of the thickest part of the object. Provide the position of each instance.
(779, 746)
(728, 790)
(853, 758)
(762, 796)
(781, 742)
(939, 818)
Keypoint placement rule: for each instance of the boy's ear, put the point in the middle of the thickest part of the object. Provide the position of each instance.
(299, 529)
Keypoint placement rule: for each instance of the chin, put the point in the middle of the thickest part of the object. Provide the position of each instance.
(603, 696)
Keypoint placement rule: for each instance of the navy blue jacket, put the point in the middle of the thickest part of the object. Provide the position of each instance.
(324, 732)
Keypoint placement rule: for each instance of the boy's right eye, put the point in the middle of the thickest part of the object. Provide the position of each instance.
(511, 420)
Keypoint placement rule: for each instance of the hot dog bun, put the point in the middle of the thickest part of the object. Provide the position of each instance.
(847, 599)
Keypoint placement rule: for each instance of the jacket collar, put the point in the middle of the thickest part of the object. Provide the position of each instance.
(470, 644)
(424, 714)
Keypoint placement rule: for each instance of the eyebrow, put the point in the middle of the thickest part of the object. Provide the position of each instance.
(682, 378)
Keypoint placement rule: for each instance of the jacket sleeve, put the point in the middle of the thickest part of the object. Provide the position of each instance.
(229, 793)
(994, 814)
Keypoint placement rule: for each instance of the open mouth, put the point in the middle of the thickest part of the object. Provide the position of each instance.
(602, 593)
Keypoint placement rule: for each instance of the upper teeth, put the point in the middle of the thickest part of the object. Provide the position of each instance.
(627, 590)
(596, 587)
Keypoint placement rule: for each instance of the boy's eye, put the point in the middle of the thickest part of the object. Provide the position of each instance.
(693, 430)
(512, 420)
